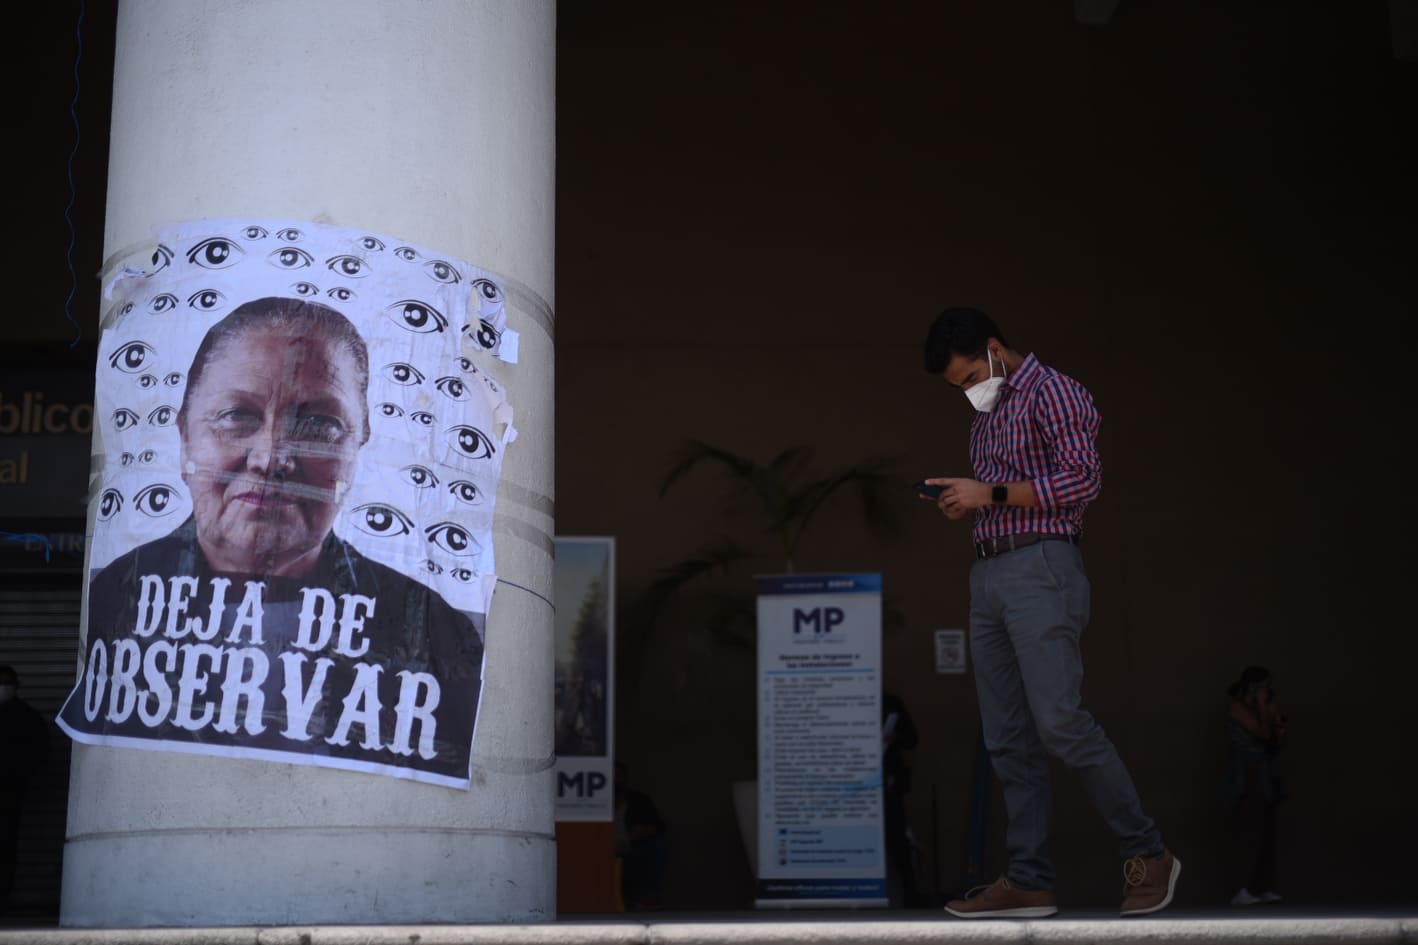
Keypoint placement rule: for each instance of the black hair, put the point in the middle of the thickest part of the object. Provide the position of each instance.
(296, 316)
(962, 331)
(1251, 677)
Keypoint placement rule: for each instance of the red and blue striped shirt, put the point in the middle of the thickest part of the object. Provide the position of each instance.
(1042, 429)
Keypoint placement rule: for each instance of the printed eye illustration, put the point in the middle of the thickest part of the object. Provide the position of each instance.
(155, 500)
(465, 492)
(381, 521)
(486, 335)
(485, 290)
(452, 387)
(422, 417)
(387, 409)
(443, 271)
(146, 381)
(163, 416)
(462, 575)
(432, 567)
(467, 366)
(147, 456)
(372, 244)
(451, 537)
(420, 476)
(291, 258)
(109, 504)
(255, 233)
(216, 252)
(340, 294)
(161, 259)
(163, 303)
(406, 253)
(305, 289)
(206, 300)
(417, 316)
(124, 419)
(128, 307)
(126, 459)
(471, 442)
(405, 374)
(290, 234)
(173, 379)
(351, 267)
(131, 358)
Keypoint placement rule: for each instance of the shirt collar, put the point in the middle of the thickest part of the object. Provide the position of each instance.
(1027, 375)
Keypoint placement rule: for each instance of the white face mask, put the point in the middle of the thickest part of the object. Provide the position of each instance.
(6, 694)
(983, 395)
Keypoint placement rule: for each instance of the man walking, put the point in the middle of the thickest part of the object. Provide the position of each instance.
(1036, 469)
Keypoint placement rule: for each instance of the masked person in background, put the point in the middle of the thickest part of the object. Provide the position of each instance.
(898, 736)
(1255, 730)
(1036, 469)
(252, 624)
(640, 843)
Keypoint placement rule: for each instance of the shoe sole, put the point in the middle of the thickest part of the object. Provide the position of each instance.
(1166, 900)
(1022, 912)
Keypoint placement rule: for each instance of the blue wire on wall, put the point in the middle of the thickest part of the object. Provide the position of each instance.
(74, 116)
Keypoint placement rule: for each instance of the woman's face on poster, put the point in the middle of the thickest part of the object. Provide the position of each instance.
(268, 448)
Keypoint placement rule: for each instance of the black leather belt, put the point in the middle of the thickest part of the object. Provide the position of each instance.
(992, 547)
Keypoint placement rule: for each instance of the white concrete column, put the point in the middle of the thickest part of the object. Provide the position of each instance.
(432, 121)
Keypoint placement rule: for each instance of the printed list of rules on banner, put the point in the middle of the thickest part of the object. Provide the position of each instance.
(820, 839)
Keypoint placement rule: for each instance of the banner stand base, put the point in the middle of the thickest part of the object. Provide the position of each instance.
(821, 903)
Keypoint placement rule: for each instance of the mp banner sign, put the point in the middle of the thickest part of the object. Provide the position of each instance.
(820, 836)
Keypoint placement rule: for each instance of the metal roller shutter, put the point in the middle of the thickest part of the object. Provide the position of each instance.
(39, 637)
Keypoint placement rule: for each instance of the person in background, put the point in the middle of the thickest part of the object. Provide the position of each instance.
(898, 735)
(640, 843)
(1255, 729)
(24, 747)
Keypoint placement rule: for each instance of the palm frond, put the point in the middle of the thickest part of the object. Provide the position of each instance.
(715, 558)
(733, 619)
(790, 463)
(696, 452)
(873, 480)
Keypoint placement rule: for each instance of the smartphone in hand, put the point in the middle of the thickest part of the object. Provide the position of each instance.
(925, 488)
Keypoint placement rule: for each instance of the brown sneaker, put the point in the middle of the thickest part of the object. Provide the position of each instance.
(1004, 900)
(1148, 882)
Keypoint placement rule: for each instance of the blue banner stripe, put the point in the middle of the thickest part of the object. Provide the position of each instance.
(782, 584)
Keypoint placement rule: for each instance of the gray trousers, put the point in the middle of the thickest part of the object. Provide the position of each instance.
(1027, 611)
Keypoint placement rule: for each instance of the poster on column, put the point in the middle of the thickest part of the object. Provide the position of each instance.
(584, 724)
(298, 435)
(820, 836)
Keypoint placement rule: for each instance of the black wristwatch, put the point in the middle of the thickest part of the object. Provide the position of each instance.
(999, 495)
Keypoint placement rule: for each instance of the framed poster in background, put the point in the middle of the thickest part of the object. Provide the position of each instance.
(584, 722)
